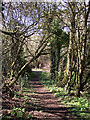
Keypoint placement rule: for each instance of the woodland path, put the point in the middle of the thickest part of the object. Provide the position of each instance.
(48, 107)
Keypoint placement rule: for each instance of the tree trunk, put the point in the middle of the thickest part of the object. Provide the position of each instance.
(52, 58)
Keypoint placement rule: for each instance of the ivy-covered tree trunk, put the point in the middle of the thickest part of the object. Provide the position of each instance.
(57, 61)
(52, 58)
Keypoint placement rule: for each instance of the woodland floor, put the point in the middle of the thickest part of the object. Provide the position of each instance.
(45, 107)
(49, 104)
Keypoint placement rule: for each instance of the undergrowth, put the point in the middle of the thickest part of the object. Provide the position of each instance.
(21, 102)
(78, 106)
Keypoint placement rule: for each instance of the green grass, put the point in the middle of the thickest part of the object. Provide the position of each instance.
(79, 106)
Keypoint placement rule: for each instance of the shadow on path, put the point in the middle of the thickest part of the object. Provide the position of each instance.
(48, 107)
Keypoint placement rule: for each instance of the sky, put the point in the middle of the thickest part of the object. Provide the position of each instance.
(44, 0)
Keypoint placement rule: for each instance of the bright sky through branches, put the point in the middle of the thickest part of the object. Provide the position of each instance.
(45, 0)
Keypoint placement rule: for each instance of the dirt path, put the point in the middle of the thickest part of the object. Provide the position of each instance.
(48, 108)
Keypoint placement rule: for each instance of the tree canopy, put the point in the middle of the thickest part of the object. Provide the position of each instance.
(69, 51)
